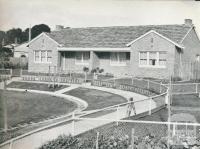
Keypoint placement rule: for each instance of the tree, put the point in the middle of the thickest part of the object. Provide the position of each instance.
(2, 38)
(14, 36)
(38, 29)
(25, 35)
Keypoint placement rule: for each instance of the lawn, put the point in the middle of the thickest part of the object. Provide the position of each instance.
(25, 107)
(34, 86)
(189, 103)
(189, 100)
(96, 99)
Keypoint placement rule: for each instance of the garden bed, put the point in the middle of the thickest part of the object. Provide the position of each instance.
(35, 86)
(96, 99)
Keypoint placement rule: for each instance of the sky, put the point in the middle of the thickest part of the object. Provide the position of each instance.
(84, 13)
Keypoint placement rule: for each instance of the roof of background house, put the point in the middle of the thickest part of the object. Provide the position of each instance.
(21, 47)
(11, 46)
(114, 37)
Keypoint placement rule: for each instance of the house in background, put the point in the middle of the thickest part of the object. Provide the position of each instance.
(11, 46)
(21, 50)
(144, 51)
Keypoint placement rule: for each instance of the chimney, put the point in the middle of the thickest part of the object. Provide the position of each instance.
(188, 22)
(59, 27)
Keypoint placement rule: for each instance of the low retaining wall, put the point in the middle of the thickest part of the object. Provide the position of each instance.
(53, 79)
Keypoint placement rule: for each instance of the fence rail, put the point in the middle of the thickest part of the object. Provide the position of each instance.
(118, 127)
(144, 87)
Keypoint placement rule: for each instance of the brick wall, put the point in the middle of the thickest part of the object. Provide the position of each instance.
(42, 43)
(146, 44)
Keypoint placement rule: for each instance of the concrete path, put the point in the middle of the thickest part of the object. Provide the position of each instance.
(35, 140)
(73, 86)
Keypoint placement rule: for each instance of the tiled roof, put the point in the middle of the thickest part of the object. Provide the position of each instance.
(114, 37)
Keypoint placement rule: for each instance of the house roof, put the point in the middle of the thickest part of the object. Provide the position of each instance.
(22, 47)
(114, 37)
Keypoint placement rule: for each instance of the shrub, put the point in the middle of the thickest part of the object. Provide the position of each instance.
(61, 142)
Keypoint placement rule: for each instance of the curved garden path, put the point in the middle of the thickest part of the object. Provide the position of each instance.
(35, 140)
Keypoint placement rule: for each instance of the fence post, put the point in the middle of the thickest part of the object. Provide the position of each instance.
(11, 143)
(11, 72)
(132, 138)
(148, 84)
(73, 124)
(132, 80)
(21, 72)
(5, 109)
(97, 141)
(196, 87)
(174, 129)
(117, 115)
(160, 87)
(150, 106)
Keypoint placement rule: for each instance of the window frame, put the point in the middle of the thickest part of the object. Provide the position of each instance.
(82, 61)
(118, 62)
(40, 56)
(36, 61)
(47, 56)
(157, 58)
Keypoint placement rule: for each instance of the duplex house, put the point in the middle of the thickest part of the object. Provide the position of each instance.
(144, 51)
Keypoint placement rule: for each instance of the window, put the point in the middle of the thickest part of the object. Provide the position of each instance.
(82, 58)
(143, 58)
(41, 56)
(37, 56)
(152, 59)
(49, 56)
(118, 58)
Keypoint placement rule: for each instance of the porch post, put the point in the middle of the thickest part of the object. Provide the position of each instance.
(91, 63)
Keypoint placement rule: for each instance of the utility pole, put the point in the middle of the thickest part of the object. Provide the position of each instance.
(29, 34)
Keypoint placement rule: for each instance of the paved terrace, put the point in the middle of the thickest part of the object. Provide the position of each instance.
(36, 139)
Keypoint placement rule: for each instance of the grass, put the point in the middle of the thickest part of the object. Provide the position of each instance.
(189, 103)
(189, 100)
(25, 107)
(96, 99)
(34, 86)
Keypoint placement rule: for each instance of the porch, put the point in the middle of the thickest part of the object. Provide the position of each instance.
(111, 62)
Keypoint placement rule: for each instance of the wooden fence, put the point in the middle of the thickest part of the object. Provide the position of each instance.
(188, 70)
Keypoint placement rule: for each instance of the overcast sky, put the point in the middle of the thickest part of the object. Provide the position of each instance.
(82, 13)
